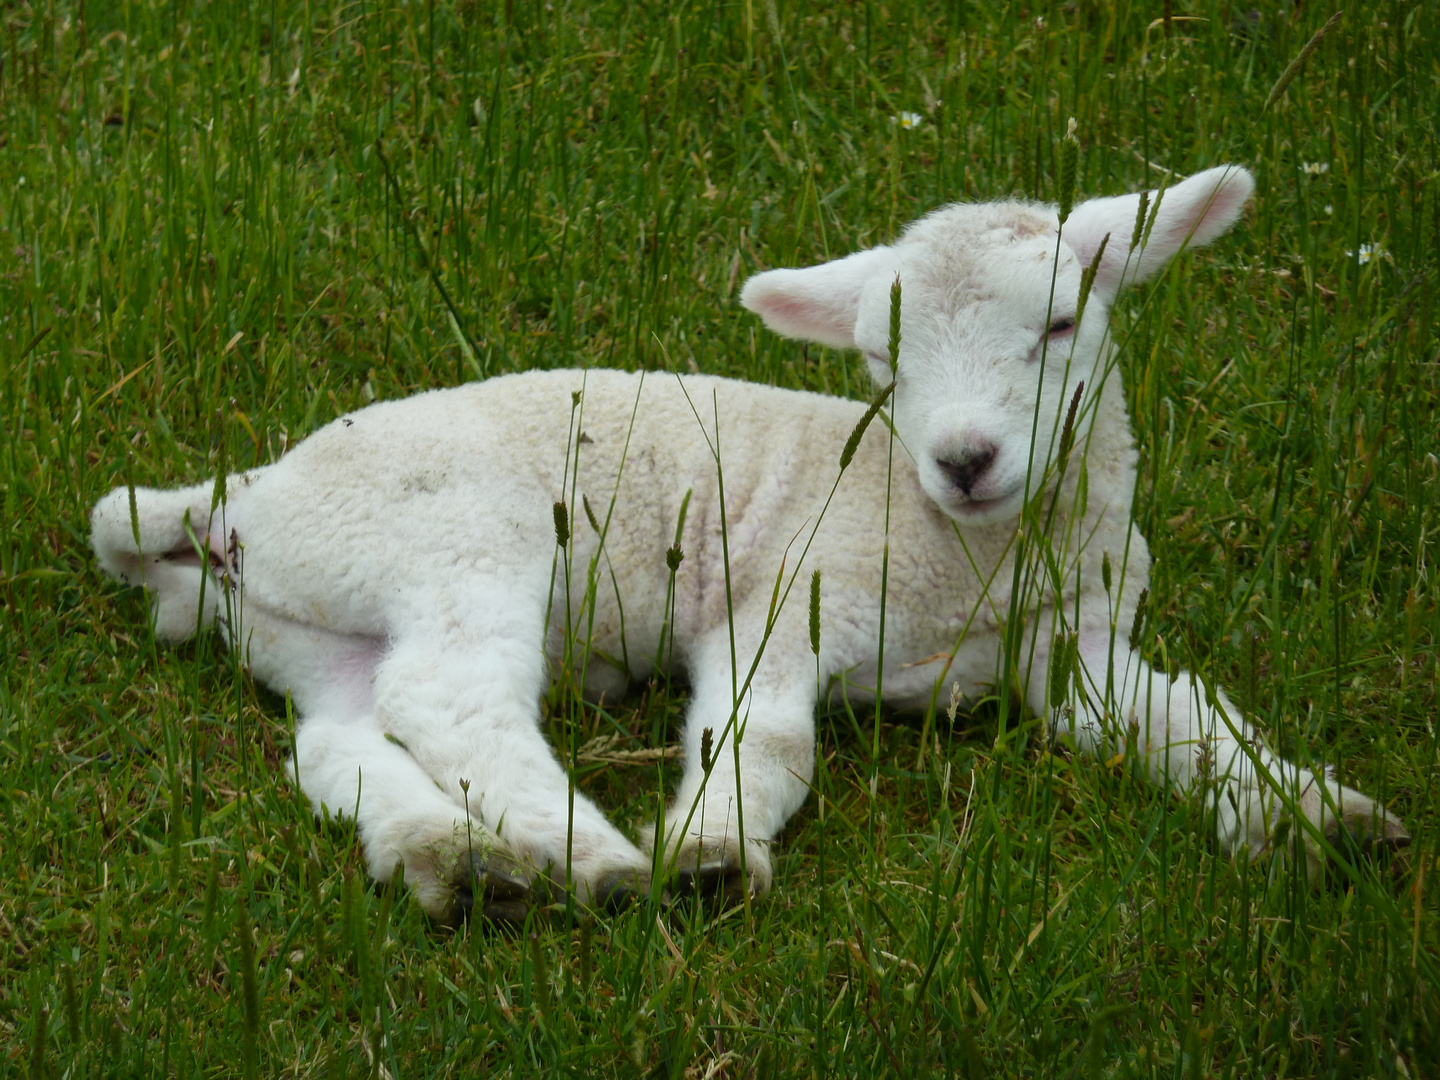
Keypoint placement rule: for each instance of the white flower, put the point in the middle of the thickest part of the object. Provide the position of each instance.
(1329, 209)
(1366, 253)
(1315, 168)
(908, 120)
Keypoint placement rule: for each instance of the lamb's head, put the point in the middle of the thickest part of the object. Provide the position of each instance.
(991, 352)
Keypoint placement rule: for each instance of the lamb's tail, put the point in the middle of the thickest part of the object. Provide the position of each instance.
(166, 560)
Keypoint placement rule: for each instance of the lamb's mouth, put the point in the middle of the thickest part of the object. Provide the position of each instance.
(983, 507)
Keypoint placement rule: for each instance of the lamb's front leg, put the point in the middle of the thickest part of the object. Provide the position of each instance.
(1194, 743)
(775, 722)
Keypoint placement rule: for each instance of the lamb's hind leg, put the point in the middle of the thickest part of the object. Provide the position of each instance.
(1191, 742)
(451, 862)
(460, 689)
(346, 767)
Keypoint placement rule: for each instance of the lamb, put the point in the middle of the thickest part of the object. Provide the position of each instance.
(399, 574)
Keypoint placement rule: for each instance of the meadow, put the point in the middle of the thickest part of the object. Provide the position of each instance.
(223, 225)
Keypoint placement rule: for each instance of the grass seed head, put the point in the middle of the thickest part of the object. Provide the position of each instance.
(1138, 627)
(222, 446)
(1154, 211)
(815, 613)
(1293, 68)
(1140, 218)
(130, 492)
(562, 524)
(1026, 166)
(1063, 654)
(894, 342)
(1069, 164)
(1067, 434)
(853, 442)
(1087, 277)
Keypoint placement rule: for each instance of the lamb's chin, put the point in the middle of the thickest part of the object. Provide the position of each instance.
(982, 511)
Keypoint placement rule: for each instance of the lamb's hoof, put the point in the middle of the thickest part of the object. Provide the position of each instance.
(495, 889)
(717, 884)
(619, 890)
(1378, 840)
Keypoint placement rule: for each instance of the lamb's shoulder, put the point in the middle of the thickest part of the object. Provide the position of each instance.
(774, 452)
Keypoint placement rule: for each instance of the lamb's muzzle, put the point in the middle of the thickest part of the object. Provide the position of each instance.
(968, 467)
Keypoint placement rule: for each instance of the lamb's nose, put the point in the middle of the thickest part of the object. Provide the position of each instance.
(966, 468)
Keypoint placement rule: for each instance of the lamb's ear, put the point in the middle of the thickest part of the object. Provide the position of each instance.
(1191, 213)
(818, 303)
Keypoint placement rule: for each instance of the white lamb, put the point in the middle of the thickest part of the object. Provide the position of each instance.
(398, 573)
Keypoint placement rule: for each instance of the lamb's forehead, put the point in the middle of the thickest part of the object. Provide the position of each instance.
(970, 252)
(983, 223)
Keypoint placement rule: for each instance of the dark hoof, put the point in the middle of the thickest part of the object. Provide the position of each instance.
(619, 890)
(719, 884)
(495, 890)
(1375, 841)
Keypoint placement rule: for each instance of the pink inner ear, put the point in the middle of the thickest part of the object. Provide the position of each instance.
(803, 312)
(1210, 202)
(793, 313)
(1223, 210)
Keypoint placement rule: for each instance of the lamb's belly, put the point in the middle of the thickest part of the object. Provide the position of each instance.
(324, 672)
(609, 642)
(912, 675)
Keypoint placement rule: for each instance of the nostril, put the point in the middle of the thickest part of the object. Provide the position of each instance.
(966, 468)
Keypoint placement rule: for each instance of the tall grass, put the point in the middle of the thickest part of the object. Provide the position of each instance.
(221, 226)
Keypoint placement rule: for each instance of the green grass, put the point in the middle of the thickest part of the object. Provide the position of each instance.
(202, 260)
